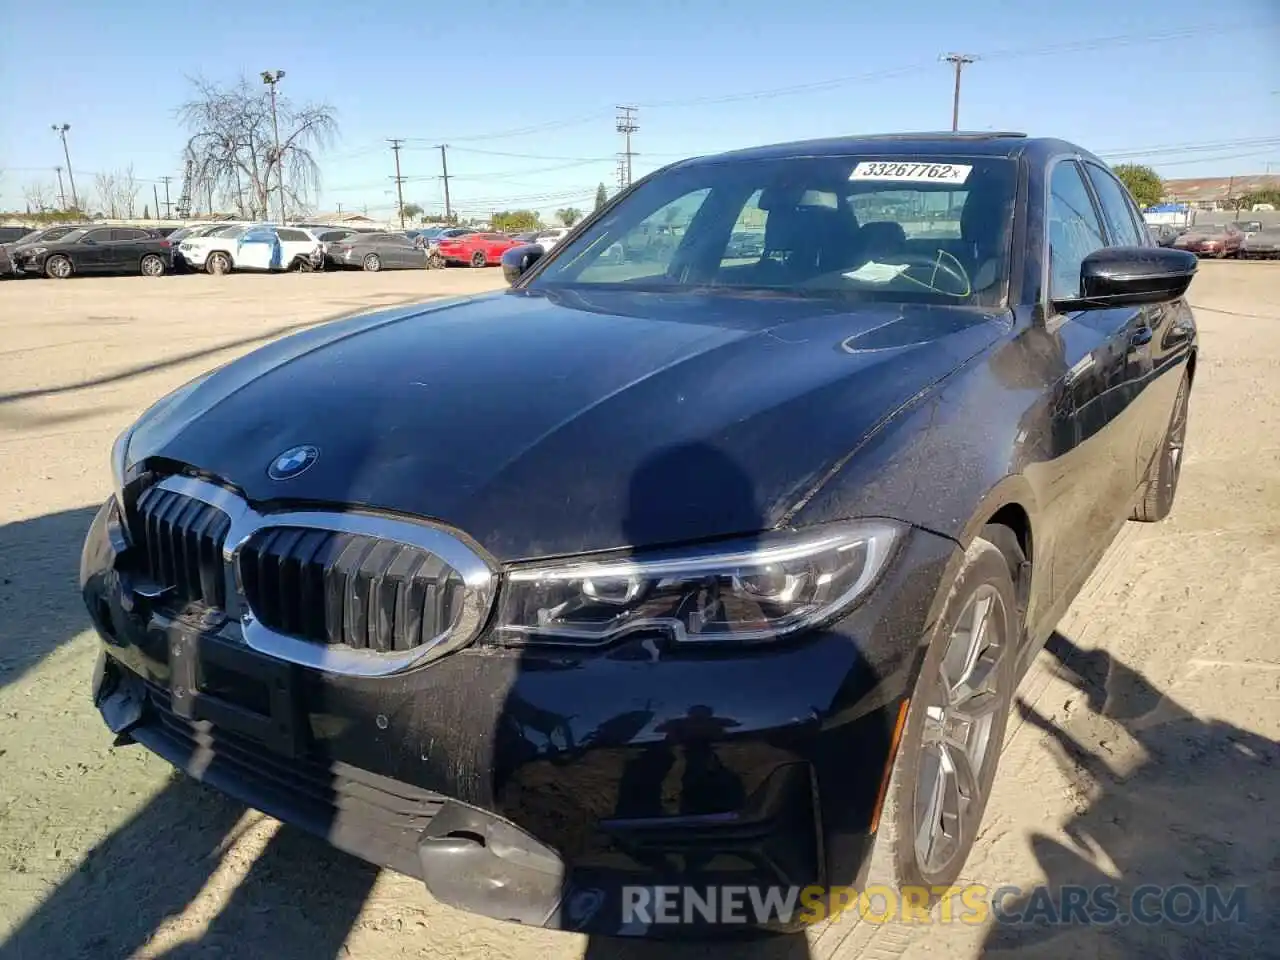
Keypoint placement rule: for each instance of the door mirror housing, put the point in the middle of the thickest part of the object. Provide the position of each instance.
(517, 261)
(1128, 276)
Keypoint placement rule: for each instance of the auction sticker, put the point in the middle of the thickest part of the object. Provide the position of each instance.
(907, 172)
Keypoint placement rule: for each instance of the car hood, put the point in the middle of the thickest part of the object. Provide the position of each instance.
(560, 423)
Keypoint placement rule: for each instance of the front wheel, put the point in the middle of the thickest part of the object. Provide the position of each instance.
(152, 266)
(372, 263)
(955, 724)
(57, 267)
(478, 259)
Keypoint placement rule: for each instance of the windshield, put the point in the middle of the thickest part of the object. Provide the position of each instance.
(931, 230)
(53, 233)
(232, 231)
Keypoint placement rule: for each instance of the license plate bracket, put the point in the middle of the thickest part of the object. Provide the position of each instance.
(235, 689)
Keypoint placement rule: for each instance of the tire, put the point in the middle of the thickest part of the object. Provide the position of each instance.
(152, 265)
(478, 259)
(218, 264)
(1162, 483)
(58, 267)
(985, 579)
(372, 263)
(435, 262)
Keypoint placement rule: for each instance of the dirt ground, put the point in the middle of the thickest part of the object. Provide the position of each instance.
(1145, 749)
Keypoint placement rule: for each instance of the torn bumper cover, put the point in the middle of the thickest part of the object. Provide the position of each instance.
(533, 786)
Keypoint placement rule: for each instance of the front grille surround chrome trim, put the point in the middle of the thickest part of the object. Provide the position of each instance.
(479, 577)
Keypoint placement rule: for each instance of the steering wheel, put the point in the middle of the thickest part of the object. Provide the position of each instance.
(941, 273)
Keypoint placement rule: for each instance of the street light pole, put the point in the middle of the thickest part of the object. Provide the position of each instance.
(271, 78)
(61, 130)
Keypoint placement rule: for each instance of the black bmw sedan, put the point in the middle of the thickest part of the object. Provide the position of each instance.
(677, 566)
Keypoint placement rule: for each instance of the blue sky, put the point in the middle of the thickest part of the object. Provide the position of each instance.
(524, 93)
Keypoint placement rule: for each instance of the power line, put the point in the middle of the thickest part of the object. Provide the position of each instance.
(444, 175)
(168, 207)
(395, 149)
(960, 61)
(626, 125)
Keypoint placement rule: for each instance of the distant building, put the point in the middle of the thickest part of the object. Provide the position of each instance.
(1212, 193)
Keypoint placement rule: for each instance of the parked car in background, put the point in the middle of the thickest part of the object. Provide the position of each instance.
(745, 245)
(212, 249)
(476, 249)
(1248, 227)
(266, 247)
(97, 250)
(1211, 241)
(1263, 244)
(1164, 233)
(6, 264)
(549, 237)
(14, 234)
(377, 251)
(44, 235)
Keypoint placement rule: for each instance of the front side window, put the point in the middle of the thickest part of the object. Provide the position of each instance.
(1115, 208)
(1074, 230)
(97, 236)
(912, 229)
(294, 236)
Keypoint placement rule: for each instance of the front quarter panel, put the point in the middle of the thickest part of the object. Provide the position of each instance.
(997, 432)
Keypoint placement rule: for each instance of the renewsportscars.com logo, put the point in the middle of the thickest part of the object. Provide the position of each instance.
(973, 904)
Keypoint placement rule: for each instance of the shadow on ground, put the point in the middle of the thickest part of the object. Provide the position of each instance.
(151, 868)
(39, 606)
(1193, 813)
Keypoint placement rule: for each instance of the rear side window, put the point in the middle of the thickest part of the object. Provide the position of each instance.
(1115, 208)
(1074, 230)
(293, 235)
(123, 234)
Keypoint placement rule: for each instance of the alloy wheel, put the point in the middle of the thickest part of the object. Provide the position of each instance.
(961, 706)
(152, 266)
(1175, 442)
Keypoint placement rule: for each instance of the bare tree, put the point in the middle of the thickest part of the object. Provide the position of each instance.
(108, 196)
(127, 187)
(38, 196)
(232, 146)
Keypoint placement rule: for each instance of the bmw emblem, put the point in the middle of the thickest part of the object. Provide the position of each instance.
(293, 462)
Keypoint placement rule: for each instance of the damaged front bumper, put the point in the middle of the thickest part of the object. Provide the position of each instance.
(535, 785)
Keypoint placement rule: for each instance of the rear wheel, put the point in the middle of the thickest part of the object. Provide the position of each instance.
(152, 266)
(955, 724)
(372, 263)
(218, 264)
(57, 267)
(478, 259)
(1162, 484)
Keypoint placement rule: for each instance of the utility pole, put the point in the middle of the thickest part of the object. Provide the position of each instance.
(395, 148)
(61, 130)
(168, 207)
(960, 61)
(444, 168)
(622, 173)
(62, 197)
(155, 195)
(271, 78)
(626, 125)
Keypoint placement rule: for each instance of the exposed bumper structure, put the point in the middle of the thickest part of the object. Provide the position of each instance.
(535, 785)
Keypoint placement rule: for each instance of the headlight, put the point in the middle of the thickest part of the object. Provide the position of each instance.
(35, 251)
(744, 592)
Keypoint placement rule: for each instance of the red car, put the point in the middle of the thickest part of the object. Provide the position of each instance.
(477, 249)
(1211, 241)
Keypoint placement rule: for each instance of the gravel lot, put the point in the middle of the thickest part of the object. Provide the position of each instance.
(1145, 750)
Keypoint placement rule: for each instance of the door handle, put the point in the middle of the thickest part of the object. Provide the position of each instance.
(1141, 337)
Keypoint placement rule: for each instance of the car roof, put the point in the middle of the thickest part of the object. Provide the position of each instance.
(980, 143)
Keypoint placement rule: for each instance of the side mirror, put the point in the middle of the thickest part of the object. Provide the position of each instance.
(1128, 276)
(517, 261)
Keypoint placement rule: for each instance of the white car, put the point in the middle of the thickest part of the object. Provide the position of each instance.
(260, 246)
(550, 237)
(213, 251)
